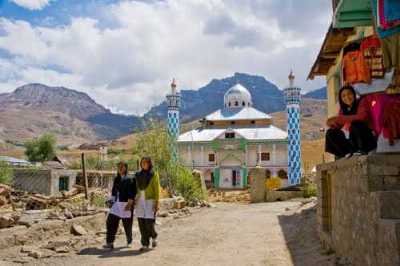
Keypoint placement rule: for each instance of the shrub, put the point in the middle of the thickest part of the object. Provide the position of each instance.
(185, 184)
(310, 190)
(41, 149)
(5, 173)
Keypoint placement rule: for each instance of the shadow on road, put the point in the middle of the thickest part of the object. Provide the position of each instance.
(301, 236)
(116, 252)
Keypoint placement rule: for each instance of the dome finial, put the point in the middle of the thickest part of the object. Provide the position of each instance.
(291, 78)
(173, 86)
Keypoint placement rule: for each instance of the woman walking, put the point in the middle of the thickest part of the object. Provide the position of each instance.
(121, 205)
(147, 202)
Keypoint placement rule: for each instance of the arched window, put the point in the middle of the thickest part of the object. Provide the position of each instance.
(236, 103)
(243, 104)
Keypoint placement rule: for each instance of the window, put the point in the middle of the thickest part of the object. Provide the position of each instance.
(229, 104)
(253, 122)
(63, 183)
(211, 157)
(243, 104)
(230, 135)
(236, 103)
(211, 123)
(233, 122)
(265, 156)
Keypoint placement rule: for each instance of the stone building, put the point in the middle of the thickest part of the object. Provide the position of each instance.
(359, 198)
(358, 209)
(51, 179)
(234, 140)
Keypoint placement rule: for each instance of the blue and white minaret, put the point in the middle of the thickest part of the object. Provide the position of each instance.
(292, 96)
(174, 102)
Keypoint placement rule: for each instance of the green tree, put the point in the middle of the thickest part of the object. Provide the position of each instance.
(155, 143)
(5, 173)
(41, 149)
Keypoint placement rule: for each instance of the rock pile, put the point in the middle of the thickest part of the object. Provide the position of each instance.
(242, 196)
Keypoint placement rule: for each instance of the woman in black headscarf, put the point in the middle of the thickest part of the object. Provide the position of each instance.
(147, 202)
(121, 204)
(348, 139)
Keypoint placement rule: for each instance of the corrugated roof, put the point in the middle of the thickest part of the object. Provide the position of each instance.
(254, 133)
(13, 160)
(245, 113)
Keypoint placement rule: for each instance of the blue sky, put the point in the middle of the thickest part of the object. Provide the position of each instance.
(123, 52)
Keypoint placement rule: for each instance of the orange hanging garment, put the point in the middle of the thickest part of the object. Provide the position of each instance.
(355, 68)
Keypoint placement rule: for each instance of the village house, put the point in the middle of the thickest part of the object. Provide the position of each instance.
(50, 179)
(234, 140)
(359, 198)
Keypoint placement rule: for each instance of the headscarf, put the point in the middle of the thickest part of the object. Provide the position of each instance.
(143, 177)
(344, 108)
(126, 168)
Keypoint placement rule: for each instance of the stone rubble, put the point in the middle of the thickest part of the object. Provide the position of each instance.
(49, 235)
(78, 230)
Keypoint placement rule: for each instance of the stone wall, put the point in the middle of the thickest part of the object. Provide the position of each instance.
(359, 208)
(33, 180)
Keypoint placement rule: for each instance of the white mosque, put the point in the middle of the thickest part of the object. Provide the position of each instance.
(234, 140)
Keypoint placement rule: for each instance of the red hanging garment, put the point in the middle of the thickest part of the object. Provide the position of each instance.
(391, 120)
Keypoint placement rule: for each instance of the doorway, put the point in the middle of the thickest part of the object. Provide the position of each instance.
(234, 177)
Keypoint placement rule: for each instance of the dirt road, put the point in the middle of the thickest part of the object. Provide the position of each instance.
(281, 233)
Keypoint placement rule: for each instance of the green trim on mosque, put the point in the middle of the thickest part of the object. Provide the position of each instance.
(216, 173)
(244, 176)
(230, 154)
(243, 144)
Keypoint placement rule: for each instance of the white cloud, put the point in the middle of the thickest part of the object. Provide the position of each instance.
(128, 66)
(32, 4)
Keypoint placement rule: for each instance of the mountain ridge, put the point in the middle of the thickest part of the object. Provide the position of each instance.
(74, 117)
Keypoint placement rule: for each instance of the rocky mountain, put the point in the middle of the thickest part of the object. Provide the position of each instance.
(198, 103)
(72, 116)
(319, 94)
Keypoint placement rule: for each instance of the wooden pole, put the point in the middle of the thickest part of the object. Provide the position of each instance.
(85, 181)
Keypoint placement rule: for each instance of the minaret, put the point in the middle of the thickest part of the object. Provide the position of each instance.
(174, 101)
(292, 96)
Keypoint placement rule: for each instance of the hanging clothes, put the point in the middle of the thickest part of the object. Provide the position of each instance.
(355, 68)
(383, 33)
(388, 13)
(372, 51)
(392, 10)
(391, 51)
(391, 119)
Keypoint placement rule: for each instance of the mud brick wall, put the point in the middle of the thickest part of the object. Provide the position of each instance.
(359, 208)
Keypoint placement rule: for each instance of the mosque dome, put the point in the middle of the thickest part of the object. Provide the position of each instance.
(237, 97)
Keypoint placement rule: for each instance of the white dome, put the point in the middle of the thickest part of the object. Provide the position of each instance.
(237, 97)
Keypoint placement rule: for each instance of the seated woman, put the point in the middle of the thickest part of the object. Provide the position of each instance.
(361, 138)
